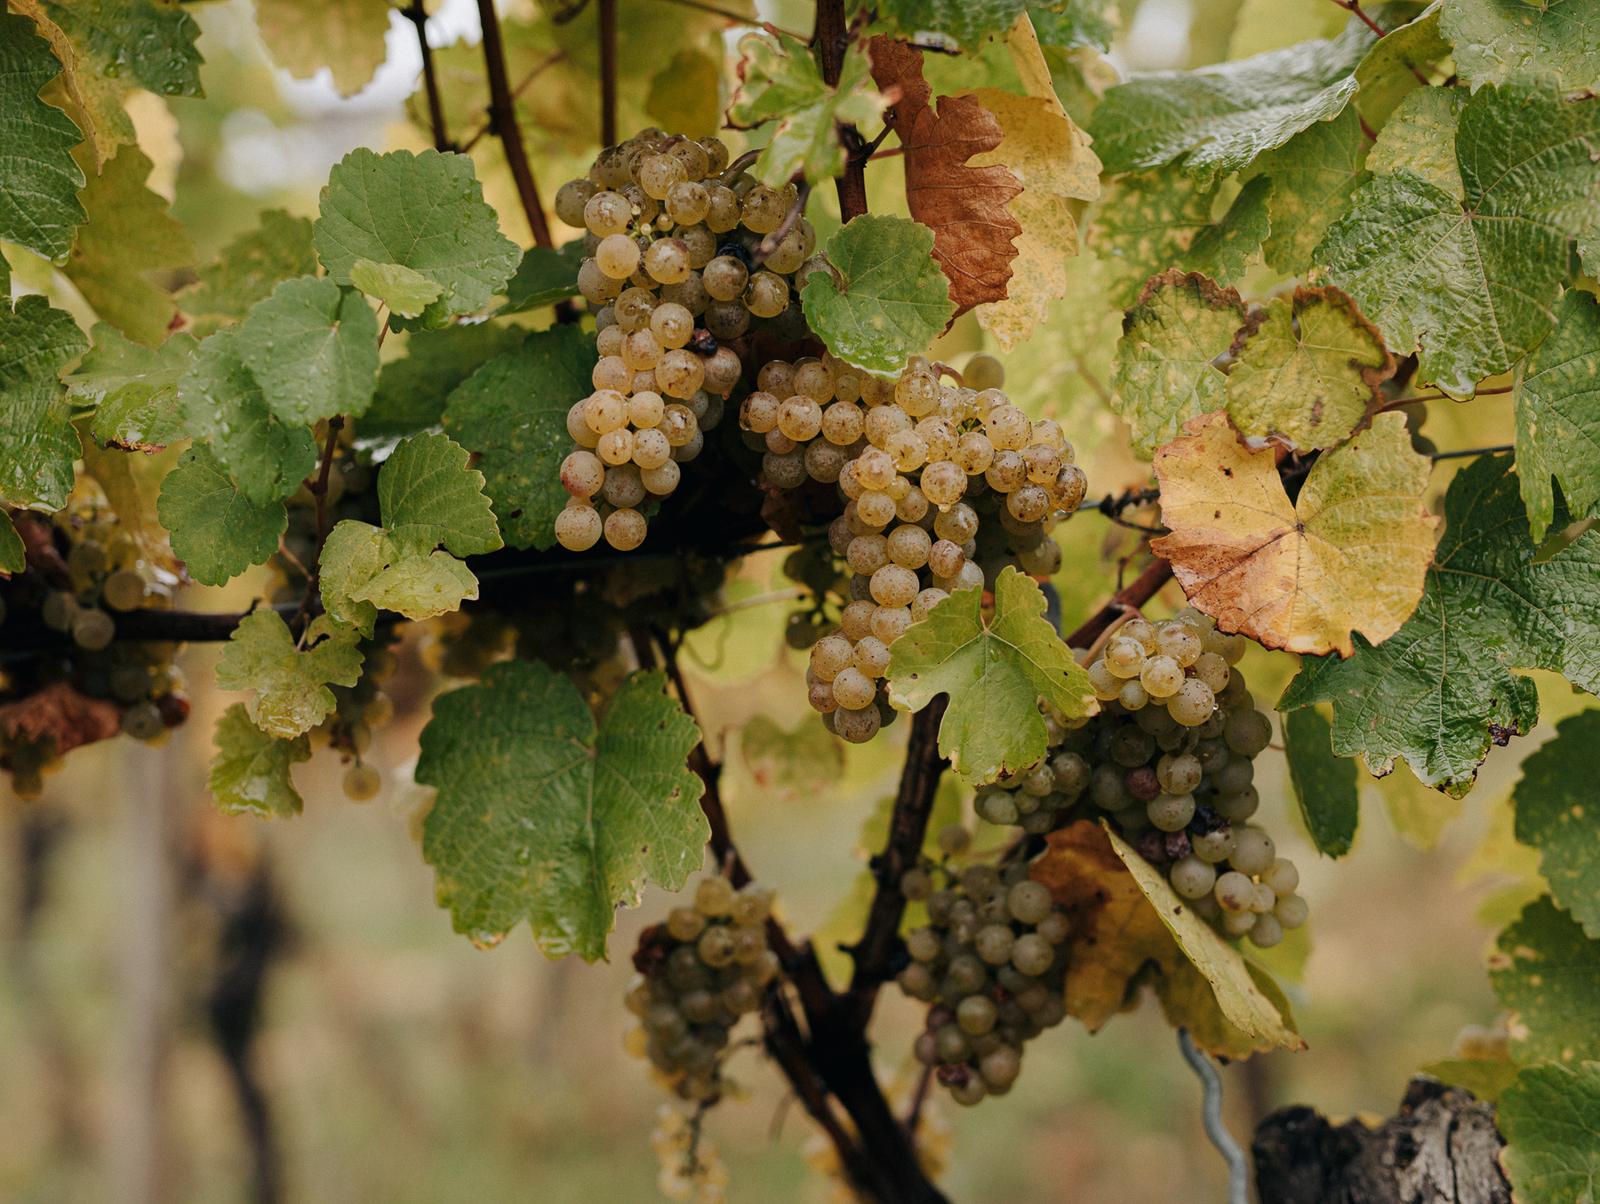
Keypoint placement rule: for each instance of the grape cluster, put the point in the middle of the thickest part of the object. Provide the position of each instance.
(992, 963)
(701, 970)
(672, 271)
(928, 472)
(692, 1170)
(359, 710)
(1170, 759)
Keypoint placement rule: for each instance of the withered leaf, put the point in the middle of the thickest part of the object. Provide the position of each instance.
(60, 718)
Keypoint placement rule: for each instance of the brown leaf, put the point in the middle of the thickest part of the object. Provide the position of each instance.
(60, 717)
(973, 231)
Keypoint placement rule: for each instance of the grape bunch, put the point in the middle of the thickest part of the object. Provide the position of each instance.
(359, 710)
(692, 1170)
(942, 484)
(674, 273)
(1170, 759)
(702, 969)
(991, 961)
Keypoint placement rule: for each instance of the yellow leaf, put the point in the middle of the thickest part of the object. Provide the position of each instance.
(1349, 555)
(345, 36)
(1051, 156)
(92, 101)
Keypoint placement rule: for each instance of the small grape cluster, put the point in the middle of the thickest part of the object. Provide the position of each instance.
(672, 234)
(921, 465)
(992, 963)
(692, 1170)
(701, 970)
(1170, 759)
(359, 710)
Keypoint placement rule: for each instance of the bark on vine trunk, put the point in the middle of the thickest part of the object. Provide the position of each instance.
(1442, 1147)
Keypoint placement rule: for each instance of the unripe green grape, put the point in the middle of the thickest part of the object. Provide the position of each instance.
(1247, 732)
(59, 609)
(143, 721)
(362, 783)
(1171, 812)
(1291, 911)
(856, 727)
(1253, 851)
(571, 198)
(93, 629)
(1193, 703)
(1192, 877)
(1266, 932)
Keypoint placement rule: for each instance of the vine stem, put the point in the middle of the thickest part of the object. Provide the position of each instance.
(503, 120)
(832, 39)
(608, 72)
(1130, 597)
(1416, 397)
(318, 488)
(418, 16)
(538, 69)
(1354, 8)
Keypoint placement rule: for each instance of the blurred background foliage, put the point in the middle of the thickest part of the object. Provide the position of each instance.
(395, 1062)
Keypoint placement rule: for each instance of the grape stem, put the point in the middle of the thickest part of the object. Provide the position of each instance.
(418, 16)
(1354, 8)
(831, 40)
(538, 69)
(770, 243)
(1416, 397)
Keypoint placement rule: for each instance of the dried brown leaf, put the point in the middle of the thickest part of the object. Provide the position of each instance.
(59, 717)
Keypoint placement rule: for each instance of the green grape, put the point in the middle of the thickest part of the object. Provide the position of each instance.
(362, 783)
(143, 721)
(124, 590)
(93, 629)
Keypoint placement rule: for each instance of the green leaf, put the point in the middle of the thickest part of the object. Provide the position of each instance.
(1558, 415)
(1439, 690)
(153, 43)
(39, 179)
(1238, 991)
(1471, 281)
(1401, 61)
(133, 388)
(250, 775)
(345, 37)
(425, 212)
(1165, 372)
(1313, 177)
(790, 763)
(1486, 1078)
(1146, 223)
(1551, 43)
(544, 277)
(994, 676)
(428, 496)
(966, 21)
(216, 530)
(412, 389)
(512, 412)
(1550, 1117)
(1070, 24)
(38, 444)
(313, 349)
(1324, 785)
(1546, 973)
(1420, 138)
(1306, 369)
(543, 815)
(250, 267)
(352, 555)
(1225, 115)
(405, 292)
(895, 301)
(684, 95)
(130, 233)
(13, 556)
(781, 81)
(1223, 248)
(290, 683)
(223, 407)
(1556, 815)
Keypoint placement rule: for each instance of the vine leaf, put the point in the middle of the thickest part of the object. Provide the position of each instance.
(405, 292)
(91, 101)
(1402, 61)
(1223, 248)
(1546, 973)
(894, 299)
(129, 233)
(1165, 371)
(1550, 1117)
(344, 37)
(964, 204)
(223, 407)
(512, 412)
(1470, 281)
(1050, 155)
(215, 529)
(683, 95)
(313, 350)
(1553, 45)
(1146, 222)
(1556, 815)
(39, 179)
(133, 388)
(1439, 690)
(38, 444)
(247, 271)
(780, 81)
(1307, 369)
(250, 774)
(995, 676)
(546, 816)
(1324, 785)
(150, 43)
(1122, 937)
(1348, 555)
(412, 389)
(1313, 176)
(969, 22)
(1420, 138)
(427, 497)
(544, 277)
(790, 763)
(1223, 116)
(13, 555)
(424, 212)
(1558, 415)
(290, 682)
